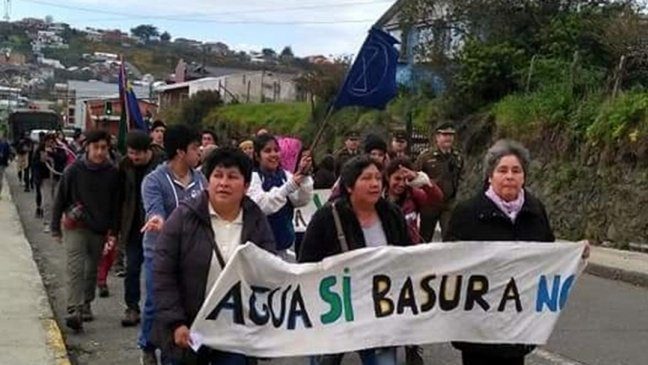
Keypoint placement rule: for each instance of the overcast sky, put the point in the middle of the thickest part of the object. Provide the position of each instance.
(328, 27)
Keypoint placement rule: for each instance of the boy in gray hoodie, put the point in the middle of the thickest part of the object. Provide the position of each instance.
(162, 191)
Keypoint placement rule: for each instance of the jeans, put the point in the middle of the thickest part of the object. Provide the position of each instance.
(2, 172)
(134, 261)
(381, 356)
(82, 250)
(149, 308)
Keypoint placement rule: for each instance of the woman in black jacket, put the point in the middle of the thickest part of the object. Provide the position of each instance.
(364, 219)
(196, 243)
(505, 211)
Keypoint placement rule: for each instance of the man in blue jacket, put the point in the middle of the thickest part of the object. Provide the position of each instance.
(5, 156)
(162, 191)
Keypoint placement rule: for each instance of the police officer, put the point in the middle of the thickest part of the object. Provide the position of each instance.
(351, 149)
(443, 164)
(398, 145)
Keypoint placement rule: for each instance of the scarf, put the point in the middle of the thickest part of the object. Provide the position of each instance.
(281, 221)
(512, 208)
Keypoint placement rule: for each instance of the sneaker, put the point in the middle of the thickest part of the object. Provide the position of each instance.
(413, 355)
(131, 318)
(86, 313)
(103, 291)
(74, 321)
(148, 358)
(120, 272)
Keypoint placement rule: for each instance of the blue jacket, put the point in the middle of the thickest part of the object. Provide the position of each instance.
(161, 194)
(5, 153)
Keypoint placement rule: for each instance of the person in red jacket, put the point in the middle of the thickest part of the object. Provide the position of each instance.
(411, 191)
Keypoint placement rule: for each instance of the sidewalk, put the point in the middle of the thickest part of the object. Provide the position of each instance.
(628, 266)
(30, 333)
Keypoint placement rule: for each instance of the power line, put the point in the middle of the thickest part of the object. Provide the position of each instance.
(249, 11)
(257, 22)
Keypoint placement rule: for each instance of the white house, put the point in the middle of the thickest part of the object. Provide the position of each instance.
(242, 87)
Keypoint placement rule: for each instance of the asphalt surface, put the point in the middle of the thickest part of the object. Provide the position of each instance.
(605, 322)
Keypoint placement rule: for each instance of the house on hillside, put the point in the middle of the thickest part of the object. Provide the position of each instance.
(114, 36)
(187, 42)
(317, 60)
(244, 86)
(92, 34)
(410, 72)
(217, 48)
(194, 71)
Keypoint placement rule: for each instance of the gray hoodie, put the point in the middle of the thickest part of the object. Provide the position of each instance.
(161, 194)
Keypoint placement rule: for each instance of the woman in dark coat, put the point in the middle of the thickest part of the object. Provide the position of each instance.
(505, 211)
(196, 243)
(365, 220)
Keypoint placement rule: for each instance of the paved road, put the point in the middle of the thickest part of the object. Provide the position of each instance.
(605, 323)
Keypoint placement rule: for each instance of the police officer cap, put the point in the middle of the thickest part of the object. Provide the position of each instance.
(400, 135)
(446, 128)
(157, 124)
(352, 134)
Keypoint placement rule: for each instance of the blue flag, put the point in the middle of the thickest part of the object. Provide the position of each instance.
(371, 82)
(129, 101)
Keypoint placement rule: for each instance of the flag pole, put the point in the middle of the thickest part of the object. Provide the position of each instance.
(320, 132)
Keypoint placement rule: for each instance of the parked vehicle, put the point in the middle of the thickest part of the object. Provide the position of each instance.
(27, 120)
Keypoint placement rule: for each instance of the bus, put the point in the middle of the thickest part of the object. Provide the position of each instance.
(26, 120)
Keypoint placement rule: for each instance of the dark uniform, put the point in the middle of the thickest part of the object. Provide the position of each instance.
(445, 169)
(343, 154)
(400, 136)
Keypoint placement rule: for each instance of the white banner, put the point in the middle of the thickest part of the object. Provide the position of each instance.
(491, 292)
(303, 214)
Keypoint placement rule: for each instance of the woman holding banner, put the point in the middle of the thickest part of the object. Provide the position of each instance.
(504, 211)
(362, 218)
(196, 243)
(277, 191)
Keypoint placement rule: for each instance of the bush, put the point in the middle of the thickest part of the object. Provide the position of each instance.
(621, 118)
(244, 119)
(488, 71)
(523, 114)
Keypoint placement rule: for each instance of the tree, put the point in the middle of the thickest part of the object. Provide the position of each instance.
(483, 48)
(269, 53)
(165, 37)
(287, 53)
(145, 32)
(49, 19)
(198, 107)
(323, 81)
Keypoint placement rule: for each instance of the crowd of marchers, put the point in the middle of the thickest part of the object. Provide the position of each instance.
(176, 205)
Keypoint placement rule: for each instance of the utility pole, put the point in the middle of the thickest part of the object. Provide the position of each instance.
(7, 10)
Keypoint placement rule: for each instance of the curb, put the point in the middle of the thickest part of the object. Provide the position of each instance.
(54, 336)
(615, 273)
(55, 342)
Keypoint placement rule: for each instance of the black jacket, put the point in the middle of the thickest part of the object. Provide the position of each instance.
(479, 219)
(182, 260)
(131, 210)
(320, 240)
(93, 188)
